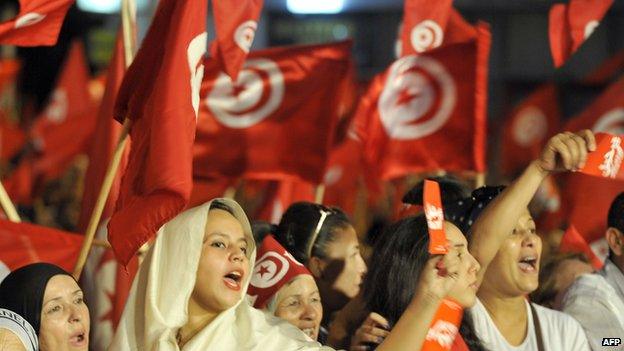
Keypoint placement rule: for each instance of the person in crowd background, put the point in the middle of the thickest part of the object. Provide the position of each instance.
(16, 334)
(52, 302)
(597, 300)
(285, 288)
(324, 240)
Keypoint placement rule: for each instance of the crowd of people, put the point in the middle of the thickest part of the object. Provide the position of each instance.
(213, 281)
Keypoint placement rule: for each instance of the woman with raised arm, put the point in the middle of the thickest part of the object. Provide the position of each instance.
(505, 242)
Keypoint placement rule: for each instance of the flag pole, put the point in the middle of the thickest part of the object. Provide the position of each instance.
(8, 206)
(319, 194)
(479, 180)
(128, 16)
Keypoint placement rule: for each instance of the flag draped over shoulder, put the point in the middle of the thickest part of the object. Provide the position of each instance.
(37, 23)
(160, 95)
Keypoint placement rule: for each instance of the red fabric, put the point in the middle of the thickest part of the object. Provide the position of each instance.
(570, 25)
(444, 91)
(103, 142)
(606, 161)
(343, 176)
(459, 344)
(274, 268)
(23, 243)
(235, 23)
(444, 327)
(280, 195)
(37, 23)
(19, 184)
(263, 125)
(70, 112)
(424, 23)
(573, 241)
(609, 69)
(12, 138)
(528, 128)
(435, 218)
(206, 190)
(160, 94)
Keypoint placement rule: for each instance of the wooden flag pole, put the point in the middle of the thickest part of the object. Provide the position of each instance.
(8, 206)
(319, 194)
(128, 17)
(479, 180)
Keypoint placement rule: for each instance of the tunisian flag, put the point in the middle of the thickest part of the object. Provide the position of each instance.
(573, 241)
(24, 243)
(428, 112)
(37, 23)
(236, 22)
(569, 25)
(424, 23)
(160, 94)
(63, 129)
(587, 197)
(274, 122)
(528, 127)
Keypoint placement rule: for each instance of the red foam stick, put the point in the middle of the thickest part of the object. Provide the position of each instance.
(444, 328)
(606, 161)
(434, 212)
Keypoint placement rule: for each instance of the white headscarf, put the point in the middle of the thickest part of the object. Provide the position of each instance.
(20, 327)
(157, 306)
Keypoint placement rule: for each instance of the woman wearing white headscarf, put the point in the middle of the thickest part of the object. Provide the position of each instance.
(189, 292)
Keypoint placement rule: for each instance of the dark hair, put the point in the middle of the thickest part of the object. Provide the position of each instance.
(451, 190)
(615, 218)
(298, 224)
(220, 205)
(400, 255)
(260, 229)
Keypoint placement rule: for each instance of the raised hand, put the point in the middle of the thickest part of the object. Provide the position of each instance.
(567, 151)
(373, 331)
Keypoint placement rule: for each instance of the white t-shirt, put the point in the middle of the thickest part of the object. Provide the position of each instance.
(560, 332)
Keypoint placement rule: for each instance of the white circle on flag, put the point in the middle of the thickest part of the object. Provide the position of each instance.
(4, 271)
(57, 107)
(269, 270)
(195, 55)
(530, 126)
(333, 175)
(426, 35)
(611, 122)
(244, 34)
(416, 87)
(258, 92)
(28, 19)
(589, 28)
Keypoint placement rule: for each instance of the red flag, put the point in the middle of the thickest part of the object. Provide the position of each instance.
(570, 25)
(606, 160)
(528, 127)
(281, 194)
(160, 94)
(235, 24)
(438, 98)
(432, 203)
(424, 24)
(261, 126)
(610, 68)
(342, 178)
(38, 23)
(444, 328)
(70, 112)
(587, 197)
(573, 241)
(19, 184)
(206, 190)
(103, 142)
(23, 243)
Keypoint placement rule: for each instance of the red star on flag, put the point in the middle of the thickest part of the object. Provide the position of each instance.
(263, 270)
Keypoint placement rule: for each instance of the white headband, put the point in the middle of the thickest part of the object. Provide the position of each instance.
(18, 325)
(319, 225)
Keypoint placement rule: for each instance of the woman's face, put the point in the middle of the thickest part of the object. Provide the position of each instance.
(345, 250)
(299, 302)
(465, 290)
(223, 265)
(64, 316)
(515, 268)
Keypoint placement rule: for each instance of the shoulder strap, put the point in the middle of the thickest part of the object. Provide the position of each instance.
(538, 330)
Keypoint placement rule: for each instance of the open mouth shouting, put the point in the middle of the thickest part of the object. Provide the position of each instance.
(528, 264)
(78, 339)
(233, 280)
